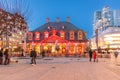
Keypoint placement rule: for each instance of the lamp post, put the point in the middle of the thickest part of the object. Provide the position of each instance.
(96, 32)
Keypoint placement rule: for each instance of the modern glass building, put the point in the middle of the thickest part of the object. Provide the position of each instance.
(107, 23)
(102, 19)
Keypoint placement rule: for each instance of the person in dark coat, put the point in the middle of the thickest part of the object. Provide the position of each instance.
(116, 54)
(7, 60)
(1, 56)
(90, 55)
(33, 55)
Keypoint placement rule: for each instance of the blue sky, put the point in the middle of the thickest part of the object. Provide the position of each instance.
(80, 12)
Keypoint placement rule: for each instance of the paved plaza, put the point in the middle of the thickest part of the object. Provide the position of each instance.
(61, 69)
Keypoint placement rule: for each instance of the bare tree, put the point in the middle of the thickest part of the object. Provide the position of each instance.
(22, 7)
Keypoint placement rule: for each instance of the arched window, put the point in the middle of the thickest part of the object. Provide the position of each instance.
(80, 35)
(46, 34)
(30, 36)
(37, 35)
(72, 35)
(62, 34)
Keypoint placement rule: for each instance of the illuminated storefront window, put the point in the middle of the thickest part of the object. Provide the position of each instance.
(72, 49)
(79, 49)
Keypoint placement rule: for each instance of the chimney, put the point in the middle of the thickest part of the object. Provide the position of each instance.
(68, 19)
(57, 19)
(47, 20)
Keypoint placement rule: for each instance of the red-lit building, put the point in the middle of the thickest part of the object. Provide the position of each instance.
(57, 38)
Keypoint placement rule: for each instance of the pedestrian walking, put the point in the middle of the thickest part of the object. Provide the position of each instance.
(94, 55)
(33, 57)
(90, 54)
(7, 60)
(116, 54)
(1, 56)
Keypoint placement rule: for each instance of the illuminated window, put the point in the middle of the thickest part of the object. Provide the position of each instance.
(30, 35)
(37, 36)
(46, 34)
(71, 35)
(80, 35)
(62, 34)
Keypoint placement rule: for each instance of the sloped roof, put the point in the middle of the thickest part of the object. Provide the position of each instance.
(53, 39)
(57, 25)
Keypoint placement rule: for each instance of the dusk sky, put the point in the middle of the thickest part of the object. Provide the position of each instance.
(80, 12)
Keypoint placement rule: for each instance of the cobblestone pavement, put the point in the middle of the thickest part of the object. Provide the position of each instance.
(60, 69)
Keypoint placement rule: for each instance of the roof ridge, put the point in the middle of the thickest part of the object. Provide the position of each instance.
(58, 25)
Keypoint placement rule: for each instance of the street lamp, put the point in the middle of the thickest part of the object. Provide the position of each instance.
(96, 32)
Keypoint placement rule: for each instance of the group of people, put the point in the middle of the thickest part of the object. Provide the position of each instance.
(4, 57)
(93, 54)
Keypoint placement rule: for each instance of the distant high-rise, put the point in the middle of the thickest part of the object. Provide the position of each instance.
(106, 18)
(116, 17)
(97, 18)
(97, 15)
(106, 34)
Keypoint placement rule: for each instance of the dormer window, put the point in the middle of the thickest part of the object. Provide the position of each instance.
(72, 35)
(37, 36)
(30, 36)
(46, 34)
(48, 27)
(80, 36)
(63, 27)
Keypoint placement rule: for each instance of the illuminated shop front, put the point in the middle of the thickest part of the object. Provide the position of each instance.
(108, 39)
(57, 38)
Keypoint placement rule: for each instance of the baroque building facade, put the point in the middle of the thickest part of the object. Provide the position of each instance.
(57, 38)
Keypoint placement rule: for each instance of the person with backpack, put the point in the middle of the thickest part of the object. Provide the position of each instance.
(33, 57)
